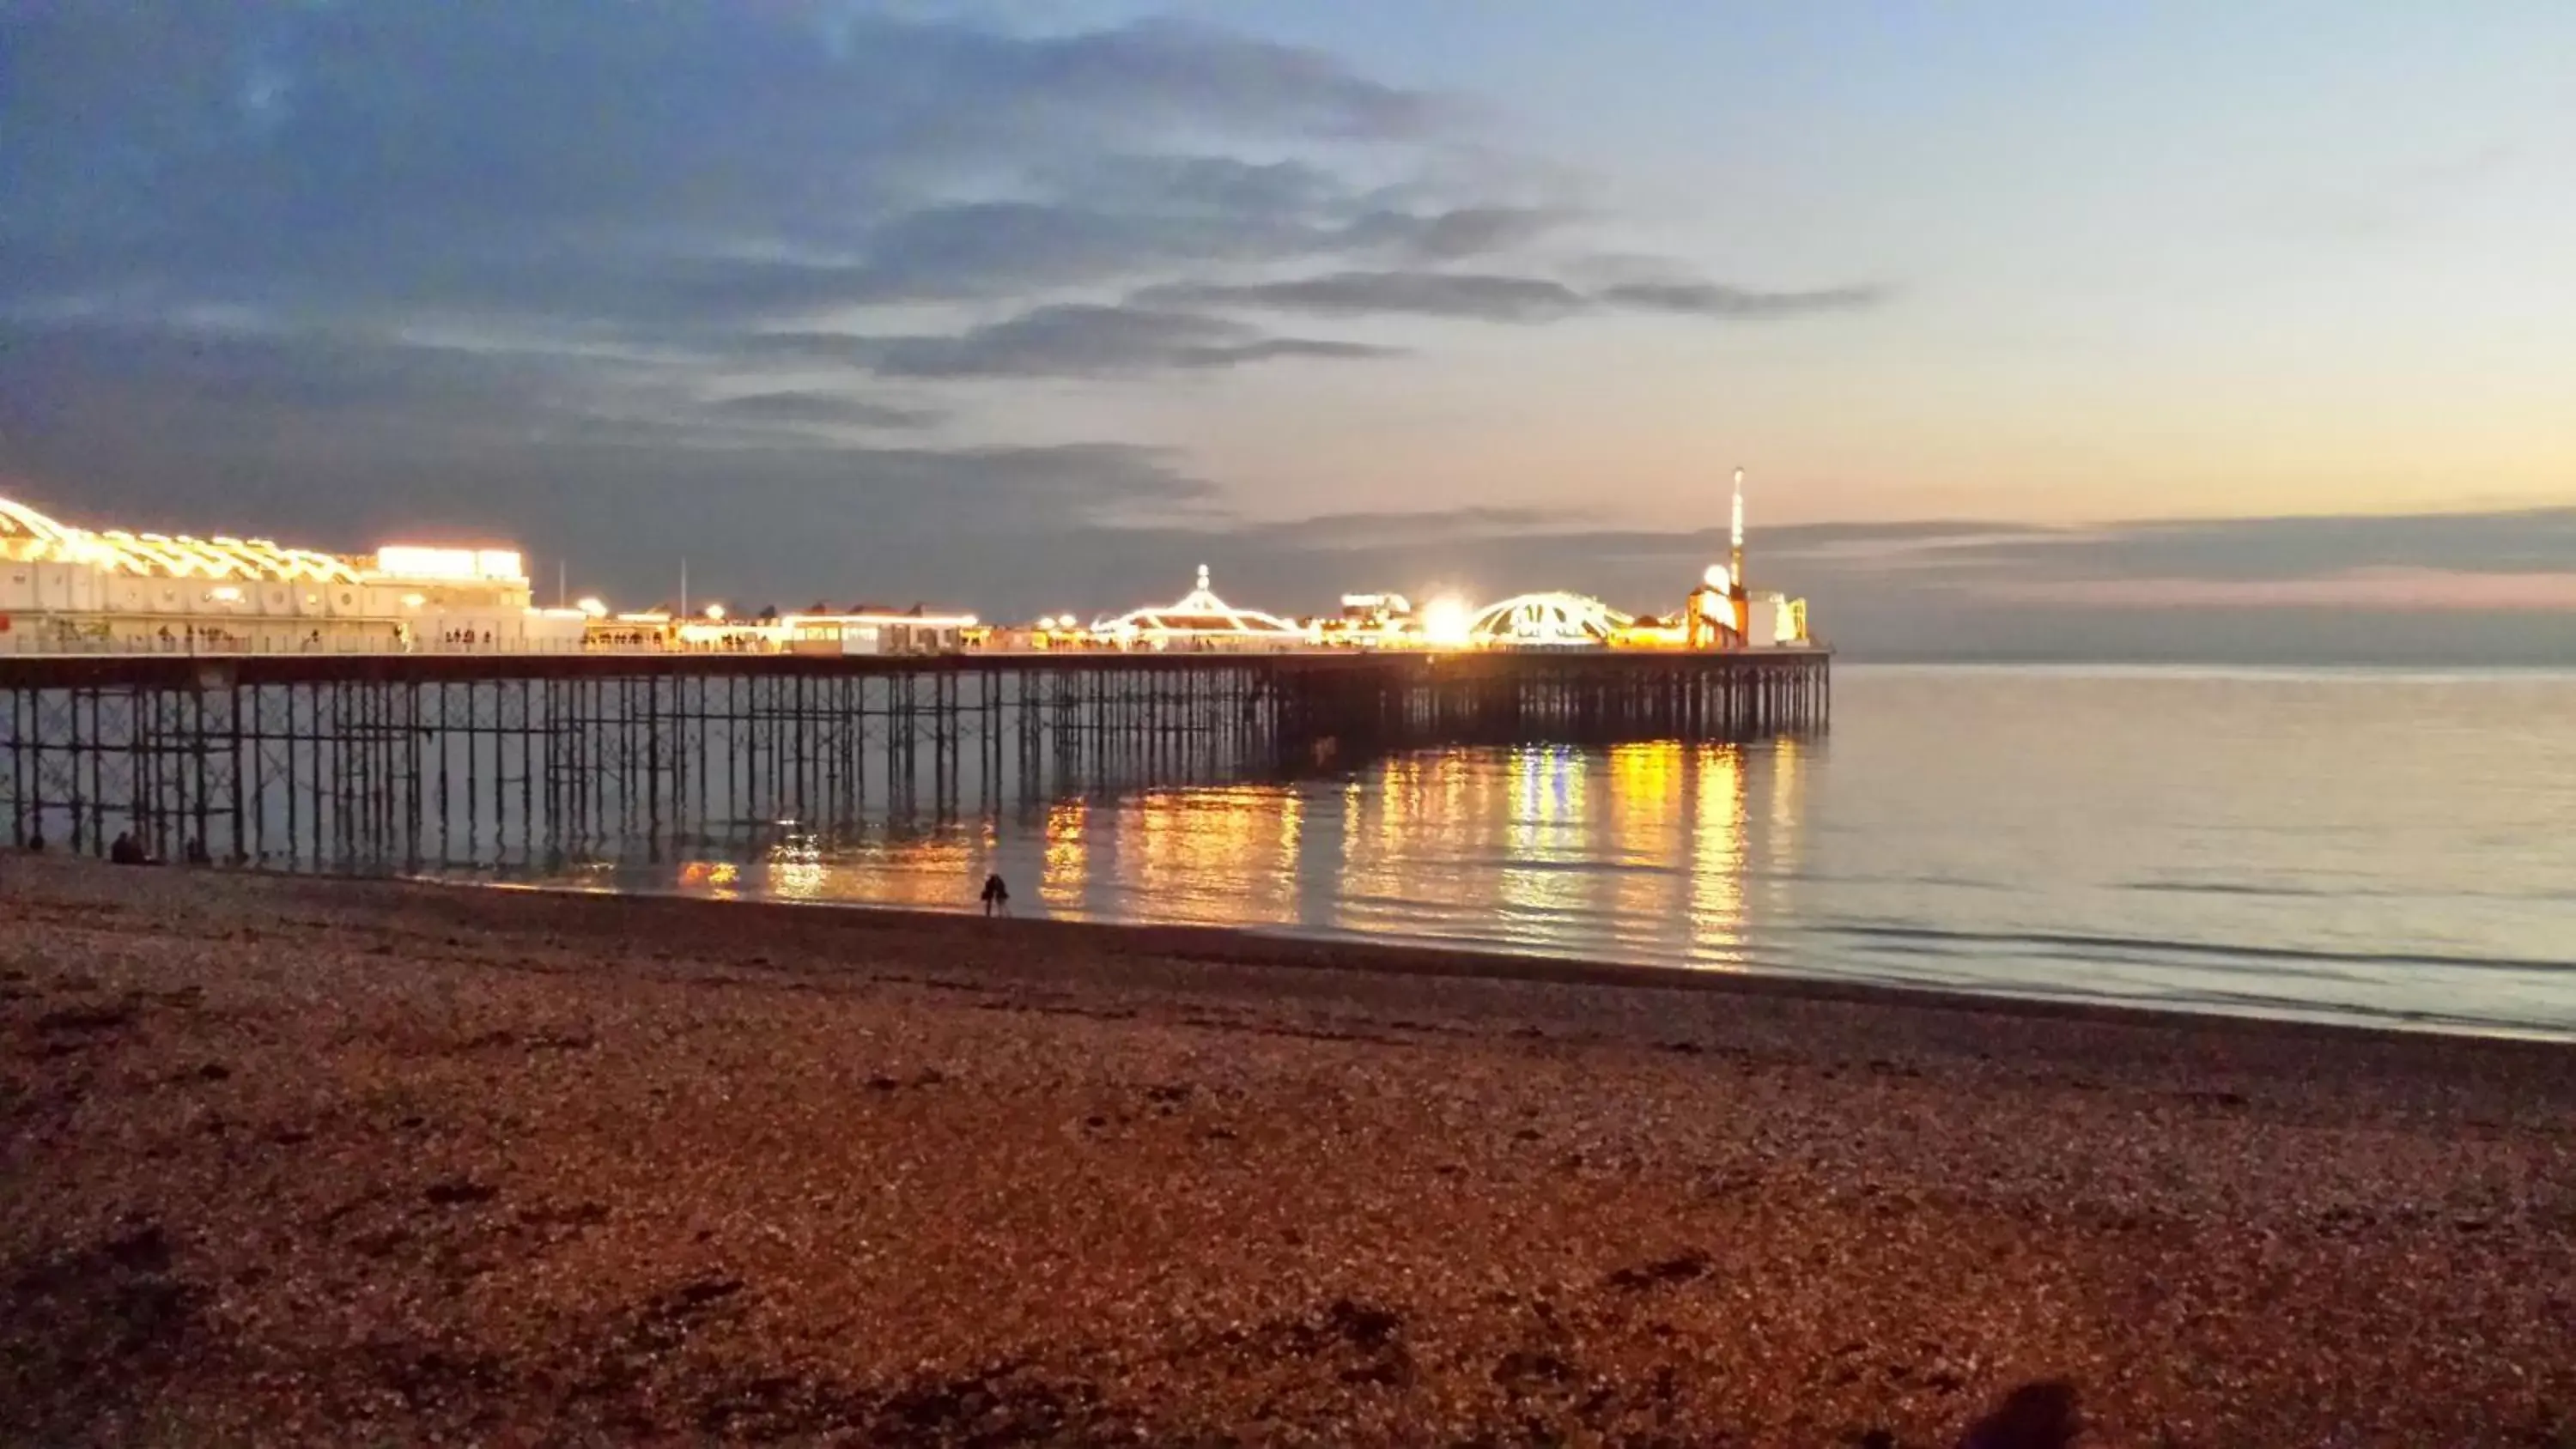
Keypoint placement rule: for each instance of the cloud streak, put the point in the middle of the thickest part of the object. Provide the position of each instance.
(821, 408)
(1094, 341)
(1489, 297)
(1708, 299)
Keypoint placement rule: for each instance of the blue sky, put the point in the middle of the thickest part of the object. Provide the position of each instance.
(2045, 329)
(2185, 259)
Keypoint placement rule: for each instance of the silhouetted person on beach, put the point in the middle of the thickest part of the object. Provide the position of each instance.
(197, 852)
(36, 842)
(126, 850)
(997, 896)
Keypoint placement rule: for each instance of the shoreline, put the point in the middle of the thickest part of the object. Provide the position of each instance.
(1242, 944)
(314, 1160)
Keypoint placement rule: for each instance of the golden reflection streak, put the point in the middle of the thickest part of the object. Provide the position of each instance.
(1351, 868)
(1448, 832)
(1645, 810)
(937, 872)
(933, 872)
(1067, 866)
(1549, 798)
(1788, 807)
(1368, 837)
(1269, 873)
(1717, 831)
(1398, 780)
(1354, 807)
(1292, 831)
(1205, 857)
(1410, 833)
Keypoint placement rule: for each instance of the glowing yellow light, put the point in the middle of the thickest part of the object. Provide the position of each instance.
(1446, 621)
(225, 595)
(426, 563)
(1716, 577)
(715, 613)
(595, 608)
(1549, 619)
(413, 601)
(410, 561)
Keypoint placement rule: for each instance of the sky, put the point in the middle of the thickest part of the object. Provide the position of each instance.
(2045, 331)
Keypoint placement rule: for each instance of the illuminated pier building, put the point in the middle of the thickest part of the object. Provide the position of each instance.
(1201, 620)
(68, 590)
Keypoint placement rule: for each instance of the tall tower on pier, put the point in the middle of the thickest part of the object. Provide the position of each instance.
(1735, 566)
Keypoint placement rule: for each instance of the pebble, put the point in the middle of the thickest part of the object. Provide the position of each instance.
(517, 1168)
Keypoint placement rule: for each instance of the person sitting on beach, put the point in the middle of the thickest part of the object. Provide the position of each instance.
(125, 849)
(997, 896)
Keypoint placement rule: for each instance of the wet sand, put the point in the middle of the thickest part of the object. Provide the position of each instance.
(293, 1161)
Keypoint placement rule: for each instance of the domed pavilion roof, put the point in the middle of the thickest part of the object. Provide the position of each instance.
(1200, 612)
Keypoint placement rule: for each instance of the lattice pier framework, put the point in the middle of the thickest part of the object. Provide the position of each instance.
(410, 761)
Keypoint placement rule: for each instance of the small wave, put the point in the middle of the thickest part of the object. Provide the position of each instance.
(2233, 888)
(2355, 892)
(1569, 862)
(2207, 950)
(2168, 996)
(2213, 1000)
(1856, 878)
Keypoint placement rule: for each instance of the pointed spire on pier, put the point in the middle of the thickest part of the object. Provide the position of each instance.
(1735, 564)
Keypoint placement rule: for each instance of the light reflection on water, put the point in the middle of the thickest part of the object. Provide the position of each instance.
(1641, 852)
(2348, 847)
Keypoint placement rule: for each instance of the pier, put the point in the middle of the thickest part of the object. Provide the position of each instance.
(417, 761)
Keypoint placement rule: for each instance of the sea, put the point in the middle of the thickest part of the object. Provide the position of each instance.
(2378, 847)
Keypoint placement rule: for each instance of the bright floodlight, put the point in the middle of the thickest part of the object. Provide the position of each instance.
(1716, 577)
(715, 613)
(1446, 621)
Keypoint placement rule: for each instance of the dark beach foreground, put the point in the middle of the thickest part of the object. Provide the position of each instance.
(290, 1161)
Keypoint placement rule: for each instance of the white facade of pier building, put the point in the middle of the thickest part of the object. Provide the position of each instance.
(64, 588)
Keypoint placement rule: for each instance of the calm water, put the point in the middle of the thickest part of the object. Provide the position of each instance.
(2361, 846)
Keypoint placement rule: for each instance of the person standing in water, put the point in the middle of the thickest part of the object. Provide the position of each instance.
(997, 896)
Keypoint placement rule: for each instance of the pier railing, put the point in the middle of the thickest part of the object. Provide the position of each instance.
(411, 760)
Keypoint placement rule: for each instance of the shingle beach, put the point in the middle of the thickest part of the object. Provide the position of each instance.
(323, 1162)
